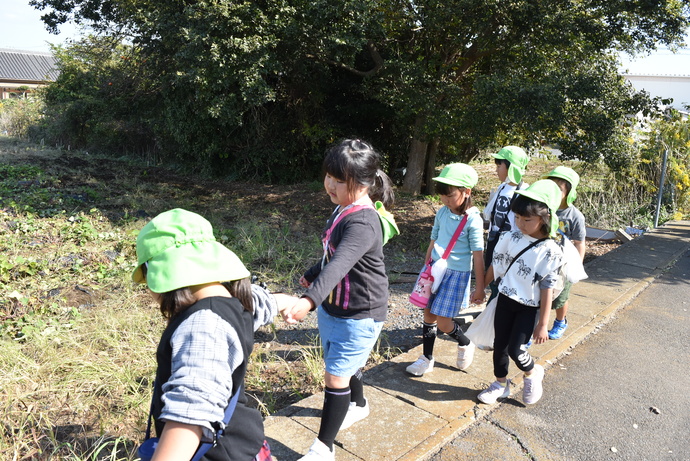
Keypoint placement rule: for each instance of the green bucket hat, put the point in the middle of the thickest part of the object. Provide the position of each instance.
(180, 250)
(563, 172)
(458, 175)
(548, 193)
(518, 162)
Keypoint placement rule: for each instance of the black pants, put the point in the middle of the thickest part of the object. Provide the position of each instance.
(514, 324)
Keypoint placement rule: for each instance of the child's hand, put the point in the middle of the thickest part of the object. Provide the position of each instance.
(304, 282)
(284, 302)
(298, 311)
(541, 334)
(478, 296)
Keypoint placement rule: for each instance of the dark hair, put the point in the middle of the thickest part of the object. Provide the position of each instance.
(498, 161)
(442, 188)
(242, 290)
(357, 163)
(176, 301)
(525, 206)
(559, 181)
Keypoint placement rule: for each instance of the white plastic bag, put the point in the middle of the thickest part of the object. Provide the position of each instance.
(574, 270)
(437, 272)
(481, 330)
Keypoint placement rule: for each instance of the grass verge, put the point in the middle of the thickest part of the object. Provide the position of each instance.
(77, 338)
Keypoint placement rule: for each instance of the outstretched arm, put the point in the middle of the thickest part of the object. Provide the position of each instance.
(298, 310)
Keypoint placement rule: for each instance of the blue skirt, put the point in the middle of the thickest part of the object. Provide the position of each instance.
(453, 294)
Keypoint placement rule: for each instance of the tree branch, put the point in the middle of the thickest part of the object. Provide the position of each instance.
(375, 56)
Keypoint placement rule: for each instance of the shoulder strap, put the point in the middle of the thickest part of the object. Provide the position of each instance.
(510, 205)
(229, 410)
(454, 239)
(521, 253)
(341, 215)
(204, 446)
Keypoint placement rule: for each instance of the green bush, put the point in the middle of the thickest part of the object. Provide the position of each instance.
(18, 114)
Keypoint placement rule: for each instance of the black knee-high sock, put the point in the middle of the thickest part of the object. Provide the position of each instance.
(357, 389)
(459, 336)
(428, 339)
(335, 405)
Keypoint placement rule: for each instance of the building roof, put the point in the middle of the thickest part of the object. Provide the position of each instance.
(27, 66)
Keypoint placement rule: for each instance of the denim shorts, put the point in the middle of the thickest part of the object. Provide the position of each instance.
(346, 343)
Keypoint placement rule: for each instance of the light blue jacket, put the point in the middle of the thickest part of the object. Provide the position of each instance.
(471, 239)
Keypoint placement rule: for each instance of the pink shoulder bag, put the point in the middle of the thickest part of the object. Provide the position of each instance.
(421, 294)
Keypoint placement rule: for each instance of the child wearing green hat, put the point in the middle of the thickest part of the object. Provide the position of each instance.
(452, 284)
(212, 309)
(571, 224)
(511, 163)
(526, 265)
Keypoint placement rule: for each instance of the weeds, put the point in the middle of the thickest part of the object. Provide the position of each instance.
(78, 339)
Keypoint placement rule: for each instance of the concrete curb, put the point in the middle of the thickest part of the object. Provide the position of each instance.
(412, 418)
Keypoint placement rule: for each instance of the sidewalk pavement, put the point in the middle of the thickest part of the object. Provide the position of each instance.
(412, 418)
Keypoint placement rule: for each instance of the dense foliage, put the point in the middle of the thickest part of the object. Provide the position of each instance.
(669, 136)
(260, 89)
(17, 115)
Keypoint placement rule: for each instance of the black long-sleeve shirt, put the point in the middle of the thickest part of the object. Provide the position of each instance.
(352, 282)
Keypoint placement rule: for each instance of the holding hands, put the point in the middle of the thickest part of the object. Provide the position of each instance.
(292, 308)
(478, 295)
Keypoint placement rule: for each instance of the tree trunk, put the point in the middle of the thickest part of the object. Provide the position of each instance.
(432, 153)
(416, 159)
(468, 152)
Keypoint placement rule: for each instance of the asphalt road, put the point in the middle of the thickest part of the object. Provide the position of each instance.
(623, 394)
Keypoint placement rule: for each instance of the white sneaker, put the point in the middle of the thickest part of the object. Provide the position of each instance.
(318, 452)
(465, 356)
(355, 414)
(421, 366)
(494, 392)
(533, 389)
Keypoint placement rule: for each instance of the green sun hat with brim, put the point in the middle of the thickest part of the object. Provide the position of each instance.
(180, 250)
(548, 193)
(568, 174)
(388, 226)
(458, 175)
(518, 159)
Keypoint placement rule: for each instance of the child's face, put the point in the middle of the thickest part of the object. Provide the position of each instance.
(156, 296)
(338, 192)
(530, 225)
(501, 170)
(456, 197)
(563, 186)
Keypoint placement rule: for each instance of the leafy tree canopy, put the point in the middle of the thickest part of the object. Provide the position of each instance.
(272, 83)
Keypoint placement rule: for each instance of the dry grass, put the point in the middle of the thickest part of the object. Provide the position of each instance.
(77, 339)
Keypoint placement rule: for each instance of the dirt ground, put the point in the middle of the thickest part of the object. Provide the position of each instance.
(111, 183)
